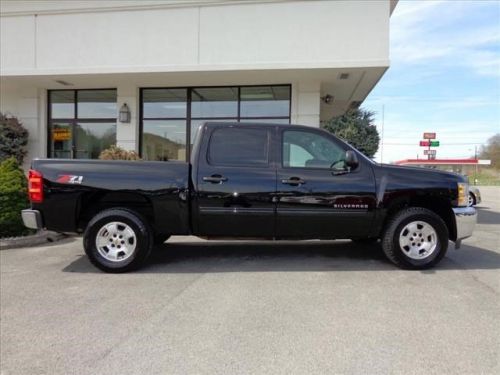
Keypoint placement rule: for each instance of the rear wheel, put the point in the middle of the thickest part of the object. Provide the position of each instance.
(117, 240)
(415, 238)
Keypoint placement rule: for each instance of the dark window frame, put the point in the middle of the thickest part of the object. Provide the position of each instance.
(188, 117)
(74, 120)
(244, 164)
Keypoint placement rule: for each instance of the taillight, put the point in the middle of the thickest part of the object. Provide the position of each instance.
(35, 186)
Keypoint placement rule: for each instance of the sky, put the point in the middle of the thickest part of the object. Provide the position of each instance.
(444, 77)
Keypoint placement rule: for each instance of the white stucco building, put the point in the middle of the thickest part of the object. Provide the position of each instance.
(68, 67)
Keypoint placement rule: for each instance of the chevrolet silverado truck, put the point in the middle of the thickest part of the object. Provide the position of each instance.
(251, 180)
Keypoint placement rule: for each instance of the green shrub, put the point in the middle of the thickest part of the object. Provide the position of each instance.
(13, 138)
(13, 199)
(117, 153)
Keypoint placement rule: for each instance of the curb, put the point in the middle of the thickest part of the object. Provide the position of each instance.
(39, 238)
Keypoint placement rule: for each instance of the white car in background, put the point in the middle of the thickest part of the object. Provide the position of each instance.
(474, 196)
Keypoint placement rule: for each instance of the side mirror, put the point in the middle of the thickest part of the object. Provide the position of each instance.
(351, 159)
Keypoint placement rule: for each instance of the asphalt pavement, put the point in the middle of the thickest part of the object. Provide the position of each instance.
(304, 307)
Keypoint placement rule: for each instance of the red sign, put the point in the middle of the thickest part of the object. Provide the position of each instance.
(429, 136)
(425, 143)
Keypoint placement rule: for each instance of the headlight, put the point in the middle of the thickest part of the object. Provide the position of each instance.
(463, 194)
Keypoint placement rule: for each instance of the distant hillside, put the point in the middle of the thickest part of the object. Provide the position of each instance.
(156, 147)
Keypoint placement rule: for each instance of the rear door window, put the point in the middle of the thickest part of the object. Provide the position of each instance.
(239, 146)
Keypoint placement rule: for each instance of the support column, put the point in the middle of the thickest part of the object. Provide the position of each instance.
(306, 103)
(30, 113)
(127, 134)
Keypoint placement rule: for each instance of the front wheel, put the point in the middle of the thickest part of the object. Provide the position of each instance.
(117, 240)
(415, 238)
(472, 200)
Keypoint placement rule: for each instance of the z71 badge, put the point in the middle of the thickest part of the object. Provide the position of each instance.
(69, 179)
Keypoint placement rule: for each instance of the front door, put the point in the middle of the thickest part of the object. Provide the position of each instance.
(318, 198)
(235, 182)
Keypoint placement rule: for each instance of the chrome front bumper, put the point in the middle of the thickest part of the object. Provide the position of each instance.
(32, 219)
(465, 220)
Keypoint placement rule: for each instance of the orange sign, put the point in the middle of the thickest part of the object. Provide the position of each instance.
(429, 136)
(61, 134)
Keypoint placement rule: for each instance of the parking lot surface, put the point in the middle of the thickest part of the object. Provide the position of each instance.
(304, 307)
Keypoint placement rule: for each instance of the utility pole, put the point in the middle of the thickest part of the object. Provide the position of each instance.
(382, 136)
(475, 167)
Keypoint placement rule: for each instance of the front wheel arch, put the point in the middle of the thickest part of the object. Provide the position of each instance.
(391, 243)
(440, 206)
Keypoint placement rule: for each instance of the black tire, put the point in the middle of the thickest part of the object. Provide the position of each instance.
(394, 228)
(160, 238)
(473, 198)
(143, 240)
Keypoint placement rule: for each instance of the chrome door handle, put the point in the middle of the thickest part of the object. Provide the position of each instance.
(215, 179)
(294, 181)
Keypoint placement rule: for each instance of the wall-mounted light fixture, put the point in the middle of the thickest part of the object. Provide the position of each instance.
(327, 99)
(124, 115)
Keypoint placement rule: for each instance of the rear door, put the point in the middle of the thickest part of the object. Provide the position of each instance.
(235, 182)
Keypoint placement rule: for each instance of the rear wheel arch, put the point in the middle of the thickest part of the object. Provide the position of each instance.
(91, 204)
(106, 240)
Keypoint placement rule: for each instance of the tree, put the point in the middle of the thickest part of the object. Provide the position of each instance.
(356, 127)
(13, 138)
(491, 151)
(13, 198)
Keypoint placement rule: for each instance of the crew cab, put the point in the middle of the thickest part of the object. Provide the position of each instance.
(251, 180)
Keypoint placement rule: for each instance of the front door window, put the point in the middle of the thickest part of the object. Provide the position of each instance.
(303, 149)
(82, 123)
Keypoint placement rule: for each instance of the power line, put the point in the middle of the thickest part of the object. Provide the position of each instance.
(441, 144)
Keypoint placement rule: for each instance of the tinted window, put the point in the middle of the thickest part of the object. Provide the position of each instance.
(265, 101)
(305, 149)
(164, 103)
(164, 140)
(96, 103)
(92, 138)
(214, 102)
(84, 127)
(239, 146)
(62, 104)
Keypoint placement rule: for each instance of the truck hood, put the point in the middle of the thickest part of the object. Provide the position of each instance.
(423, 173)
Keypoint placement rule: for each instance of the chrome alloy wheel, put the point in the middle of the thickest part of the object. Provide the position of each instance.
(470, 201)
(116, 241)
(418, 240)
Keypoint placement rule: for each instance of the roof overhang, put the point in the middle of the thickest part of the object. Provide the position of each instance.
(347, 84)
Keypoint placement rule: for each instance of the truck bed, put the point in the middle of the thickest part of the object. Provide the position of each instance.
(152, 188)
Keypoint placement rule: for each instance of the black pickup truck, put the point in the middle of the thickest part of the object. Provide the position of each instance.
(251, 180)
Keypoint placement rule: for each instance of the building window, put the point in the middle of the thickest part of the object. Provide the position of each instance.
(82, 123)
(170, 117)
